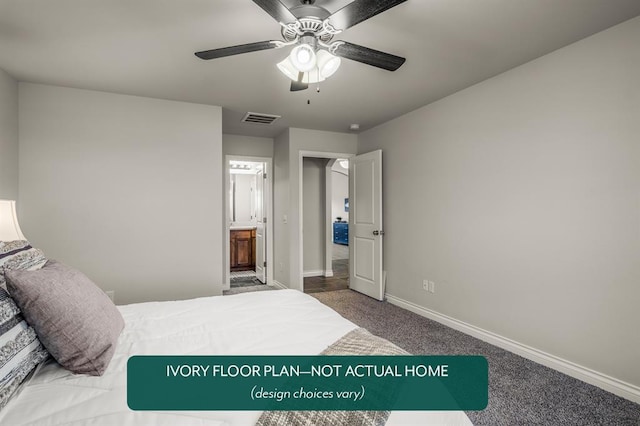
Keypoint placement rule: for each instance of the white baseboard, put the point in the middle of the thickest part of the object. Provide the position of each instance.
(603, 381)
(278, 284)
(316, 273)
(328, 273)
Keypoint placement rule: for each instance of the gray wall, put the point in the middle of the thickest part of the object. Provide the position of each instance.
(340, 191)
(247, 146)
(520, 198)
(313, 212)
(281, 203)
(126, 189)
(9, 139)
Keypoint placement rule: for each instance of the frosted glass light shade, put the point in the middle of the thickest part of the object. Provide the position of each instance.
(328, 64)
(9, 226)
(303, 58)
(287, 68)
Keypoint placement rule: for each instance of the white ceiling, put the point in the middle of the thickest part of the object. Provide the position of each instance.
(145, 47)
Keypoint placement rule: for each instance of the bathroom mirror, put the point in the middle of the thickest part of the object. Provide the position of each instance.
(242, 192)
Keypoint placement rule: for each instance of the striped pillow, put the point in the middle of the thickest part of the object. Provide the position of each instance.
(20, 349)
(21, 256)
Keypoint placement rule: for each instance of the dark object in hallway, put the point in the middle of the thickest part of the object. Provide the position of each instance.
(341, 233)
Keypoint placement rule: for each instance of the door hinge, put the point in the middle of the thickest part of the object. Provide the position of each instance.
(264, 264)
(264, 220)
(264, 176)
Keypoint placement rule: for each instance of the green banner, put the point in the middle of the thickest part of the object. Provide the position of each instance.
(307, 383)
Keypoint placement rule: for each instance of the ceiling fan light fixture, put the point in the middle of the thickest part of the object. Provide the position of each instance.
(328, 64)
(309, 30)
(303, 57)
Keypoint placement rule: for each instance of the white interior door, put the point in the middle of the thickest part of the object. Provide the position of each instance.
(365, 224)
(261, 270)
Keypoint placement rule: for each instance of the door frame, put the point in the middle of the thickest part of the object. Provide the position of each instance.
(328, 211)
(268, 212)
(328, 230)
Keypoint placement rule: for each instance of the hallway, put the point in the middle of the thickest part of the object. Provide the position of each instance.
(339, 281)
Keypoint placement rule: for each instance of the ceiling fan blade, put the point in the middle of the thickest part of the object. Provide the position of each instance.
(368, 56)
(277, 10)
(297, 86)
(360, 10)
(236, 50)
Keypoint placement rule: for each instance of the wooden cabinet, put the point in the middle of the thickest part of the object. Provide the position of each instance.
(243, 249)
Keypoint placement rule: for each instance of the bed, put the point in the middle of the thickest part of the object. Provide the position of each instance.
(284, 322)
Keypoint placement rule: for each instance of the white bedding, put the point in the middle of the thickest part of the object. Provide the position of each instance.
(282, 322)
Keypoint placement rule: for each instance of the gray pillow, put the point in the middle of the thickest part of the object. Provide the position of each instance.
(74, 319)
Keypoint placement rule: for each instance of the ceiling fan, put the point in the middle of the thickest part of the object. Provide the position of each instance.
(311, 28)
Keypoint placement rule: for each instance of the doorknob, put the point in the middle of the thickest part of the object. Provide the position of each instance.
(376, 233)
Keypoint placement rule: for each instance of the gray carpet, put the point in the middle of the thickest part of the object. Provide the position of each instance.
(521, 392)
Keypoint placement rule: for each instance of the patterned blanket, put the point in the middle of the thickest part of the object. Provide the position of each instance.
(356, 342)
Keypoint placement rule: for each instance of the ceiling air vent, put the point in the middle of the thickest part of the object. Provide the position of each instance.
(258, 118)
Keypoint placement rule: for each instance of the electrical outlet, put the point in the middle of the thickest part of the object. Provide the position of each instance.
(111, 294)
(432, 287)
(425, 285)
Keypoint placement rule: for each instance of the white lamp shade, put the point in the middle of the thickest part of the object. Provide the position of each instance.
(303, 57)
(287, 68)
(328, 64)
(9, 227)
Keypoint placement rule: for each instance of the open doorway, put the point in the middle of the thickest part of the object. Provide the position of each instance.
(365, 232)
(249, 239)
(325, 223)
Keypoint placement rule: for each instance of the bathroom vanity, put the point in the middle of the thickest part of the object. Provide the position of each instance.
(243, 248)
